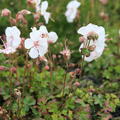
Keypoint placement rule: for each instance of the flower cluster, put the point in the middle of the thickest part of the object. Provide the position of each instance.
(71, 12)
(38, 41)
(93, 36)
(93, 41)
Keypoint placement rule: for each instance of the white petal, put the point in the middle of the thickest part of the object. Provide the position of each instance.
(43, 48)
(73, 4)
(33, 53)
(86, 29)
(38, 2)
(42, 51)
(8, 50)
(89, 59)
(44, 6)
(12, 31)
(16, 42)
(28, 43)
(13, 36)
(34, 29)
(43, 29)
(47, 17)
(35, 35)
(52, 37)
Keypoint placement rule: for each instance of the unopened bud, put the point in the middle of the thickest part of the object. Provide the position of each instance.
(47, 67)
(2, 68)
(104, 2)
(104, 16)
(13, 21)
(21, 18)
(54, 56)
(37, 16)
(24, 12)
(5, 12)
(13, 70)
(31, 2)
(77, 84)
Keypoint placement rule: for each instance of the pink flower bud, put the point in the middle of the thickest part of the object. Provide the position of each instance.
(13, 70)
(36, 16)
(77, 84)
(104, 16)
(24, 12)
(54, 56)
(104, 2)
(47, 67)
(2, 68)
(31, 2)
(21, 18)
(13, 21)
(5, 12)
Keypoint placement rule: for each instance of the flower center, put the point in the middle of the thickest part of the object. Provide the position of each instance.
(44, 35)
(11, 37)
(36, 44)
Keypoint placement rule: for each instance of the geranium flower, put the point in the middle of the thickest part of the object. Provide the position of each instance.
(37, 44)
(13, 40)
(95, 37)
(42, 8)
(71, 12)
(38, 41)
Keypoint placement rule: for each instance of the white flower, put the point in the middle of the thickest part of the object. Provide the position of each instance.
(38, 41)
(98, 32)
(42, 8)
(38, 45)
(71, 12)
(13, 40)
